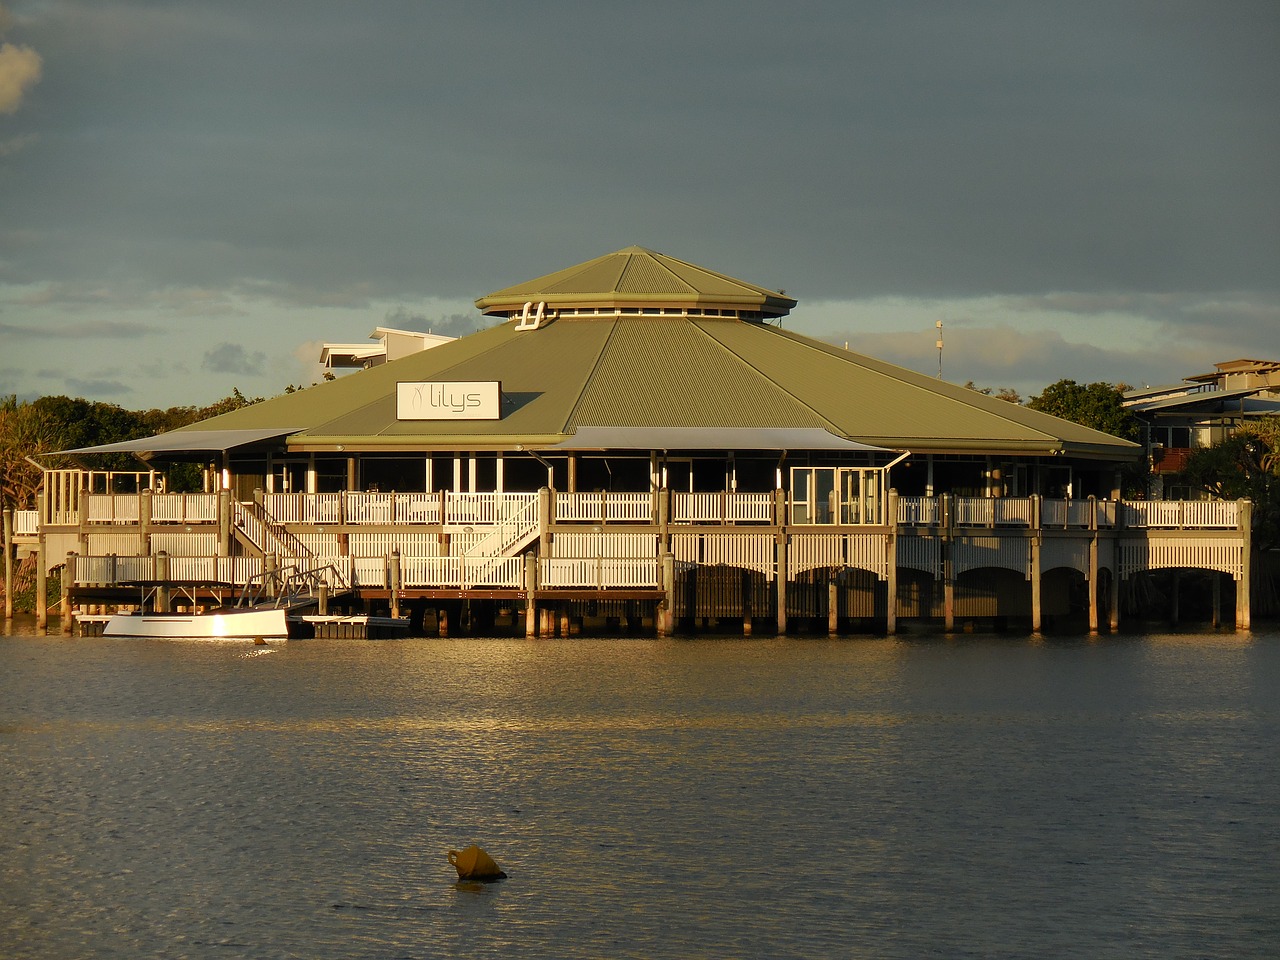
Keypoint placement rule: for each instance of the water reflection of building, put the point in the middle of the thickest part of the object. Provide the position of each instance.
(640, 440)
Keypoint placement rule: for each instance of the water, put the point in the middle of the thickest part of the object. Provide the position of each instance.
(863, 798)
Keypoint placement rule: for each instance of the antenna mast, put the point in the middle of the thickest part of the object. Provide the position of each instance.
(939, 326)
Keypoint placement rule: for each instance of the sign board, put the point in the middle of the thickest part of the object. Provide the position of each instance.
(449, 400)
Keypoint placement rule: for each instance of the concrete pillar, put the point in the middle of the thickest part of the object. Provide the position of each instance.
(563, 617)
(546, 626)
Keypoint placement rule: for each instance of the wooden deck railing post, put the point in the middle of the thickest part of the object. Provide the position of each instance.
(530, 588)
(948, 563)
(68, 581)
(145, 513)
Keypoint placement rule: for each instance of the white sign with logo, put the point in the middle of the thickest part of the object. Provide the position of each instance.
(449, 400)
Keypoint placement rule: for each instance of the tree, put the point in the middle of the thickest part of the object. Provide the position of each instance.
(1002, 393)
(1096, 405)
(1245, 465)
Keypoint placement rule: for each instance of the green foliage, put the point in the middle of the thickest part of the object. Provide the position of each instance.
(1099, 406)
(1243, 466)
(50, 424)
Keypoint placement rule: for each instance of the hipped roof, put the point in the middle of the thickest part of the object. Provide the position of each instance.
(667, 372)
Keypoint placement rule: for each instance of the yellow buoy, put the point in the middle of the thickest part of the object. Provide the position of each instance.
(474, 864)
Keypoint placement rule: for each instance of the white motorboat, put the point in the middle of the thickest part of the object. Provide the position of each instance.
(249, 623)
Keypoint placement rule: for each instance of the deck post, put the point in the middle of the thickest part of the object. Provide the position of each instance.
(948, 566)
(1037, 618)
(1244, 523)
(667, 608)
(68, 581)
(144, 523)
(224, 522)
(394, 585)
(322, 599)
(781, 581)
(530, 603)
(891, 566)
(162, 582)
(833, 605)
(1093, 583)
(8, 563)
(546, 516)
(42, 589)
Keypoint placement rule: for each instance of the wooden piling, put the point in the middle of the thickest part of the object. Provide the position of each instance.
(8, 563)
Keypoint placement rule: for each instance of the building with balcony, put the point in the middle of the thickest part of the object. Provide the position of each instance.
(640, 441)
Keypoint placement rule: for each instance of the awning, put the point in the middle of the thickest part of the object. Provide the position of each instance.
(188, 441)
(711, 438)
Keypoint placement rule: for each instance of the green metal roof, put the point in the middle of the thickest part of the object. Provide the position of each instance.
(666, 372)
(637, 276)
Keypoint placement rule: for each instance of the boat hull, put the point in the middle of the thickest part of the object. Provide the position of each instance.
(271, 623)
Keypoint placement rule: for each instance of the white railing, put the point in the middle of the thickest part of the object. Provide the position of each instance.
(461, 572)
(603, 506)
(184, 507)
(919, 511)
(112, 507)
(599, 572)
(304, 507)
(722, 507)
(26, 523)
(511, 532)
(1175, 514)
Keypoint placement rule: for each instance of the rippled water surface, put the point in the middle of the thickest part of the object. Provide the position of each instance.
(698, 798)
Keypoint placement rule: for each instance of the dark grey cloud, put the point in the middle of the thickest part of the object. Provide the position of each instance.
(80, 330)
(233, 158)
(97, 388)
(234, 358)
(836, 149)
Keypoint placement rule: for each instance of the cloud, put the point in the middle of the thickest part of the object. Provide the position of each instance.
(452, 325)
(15, 145)
(19, 72)
(97, 388)
(233, 358)
(85, 330)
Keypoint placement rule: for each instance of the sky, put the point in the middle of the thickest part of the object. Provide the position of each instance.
(195, 195)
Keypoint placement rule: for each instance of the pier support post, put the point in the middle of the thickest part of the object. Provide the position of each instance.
(162, 582)
(530, 603)
(68, 581)
(1175, 611)
(1244, 524)
(891, 566)
(666, 612)
(322, 599)
(1036, 616)
(394, 585)
(833, 606)
(8, 563)
(42, 589)
(781, 580)
(948, 566)
(1093, 584)
(546, 627)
